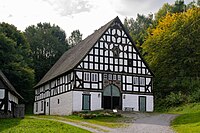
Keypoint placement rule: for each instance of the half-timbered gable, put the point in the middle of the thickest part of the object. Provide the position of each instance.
(114, 57)
(104, 71)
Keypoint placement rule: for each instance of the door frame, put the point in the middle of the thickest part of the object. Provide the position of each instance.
(83, 101)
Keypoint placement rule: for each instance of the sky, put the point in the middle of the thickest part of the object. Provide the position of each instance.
(85, 15)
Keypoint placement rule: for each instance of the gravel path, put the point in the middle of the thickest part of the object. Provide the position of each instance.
(148, 123)
(138, 123)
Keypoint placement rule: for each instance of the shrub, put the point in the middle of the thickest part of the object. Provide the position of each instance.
(175, 99)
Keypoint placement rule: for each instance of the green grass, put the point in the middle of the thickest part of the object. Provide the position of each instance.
(111, 122)
(189, 119)
(36, 126)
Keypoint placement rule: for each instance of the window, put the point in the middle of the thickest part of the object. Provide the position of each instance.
(105, 76)
(94, 77)
(119, 77)
(58, 81)
(109, 76)
(41, 105)
(142, 81)
(114, 77)
(58, 101)
(36, 108)
(87, 76)
(135, 80)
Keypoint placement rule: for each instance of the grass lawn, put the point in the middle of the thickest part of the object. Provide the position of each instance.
(111, 122)
(189, 120)
(36, 126)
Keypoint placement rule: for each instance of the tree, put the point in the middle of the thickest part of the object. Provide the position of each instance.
(172, 51)
(178, 6)
(138, 28)
(48, 43)
(75, 38)
(16, 61)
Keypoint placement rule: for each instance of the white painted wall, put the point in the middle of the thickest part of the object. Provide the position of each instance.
(47, 106)
(65, 104)
(2, 93)
(96, 100)
(39, 111)
(77, 100)
(13, 98)
(132, 101)
(150, 103)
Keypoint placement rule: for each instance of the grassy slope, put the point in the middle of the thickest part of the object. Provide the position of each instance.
(36, 126)
(189, 120)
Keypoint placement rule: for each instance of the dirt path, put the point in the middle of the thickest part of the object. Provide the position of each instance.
(138, 123)
(148, 123)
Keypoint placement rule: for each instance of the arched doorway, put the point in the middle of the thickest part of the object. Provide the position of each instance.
(111, 97)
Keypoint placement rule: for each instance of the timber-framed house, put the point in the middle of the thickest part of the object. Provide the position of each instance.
(9, 98)
(104, 71)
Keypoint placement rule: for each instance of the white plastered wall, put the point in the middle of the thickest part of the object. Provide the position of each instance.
(132, 101)
(39, 109)
(64, 107)
(95, 100)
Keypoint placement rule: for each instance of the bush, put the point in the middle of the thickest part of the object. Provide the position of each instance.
(175, 99)
(90, 115)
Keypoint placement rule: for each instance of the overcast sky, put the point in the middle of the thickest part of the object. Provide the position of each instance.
(85, 15)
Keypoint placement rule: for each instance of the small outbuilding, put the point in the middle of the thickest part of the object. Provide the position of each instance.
(9, 97)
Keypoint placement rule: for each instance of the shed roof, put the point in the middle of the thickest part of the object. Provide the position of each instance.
(9, 85)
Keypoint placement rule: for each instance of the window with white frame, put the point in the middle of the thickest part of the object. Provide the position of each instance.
(87, 76)
(142, 81)
(94, 77)
(135, 80)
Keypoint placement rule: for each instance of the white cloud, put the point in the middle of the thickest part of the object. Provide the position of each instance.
(85, 15)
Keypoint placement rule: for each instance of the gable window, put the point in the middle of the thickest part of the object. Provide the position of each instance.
(87, 76)
(142, 81)
(135, 80)
(94, 77)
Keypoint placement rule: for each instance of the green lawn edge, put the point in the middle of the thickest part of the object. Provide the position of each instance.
(188, 120)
